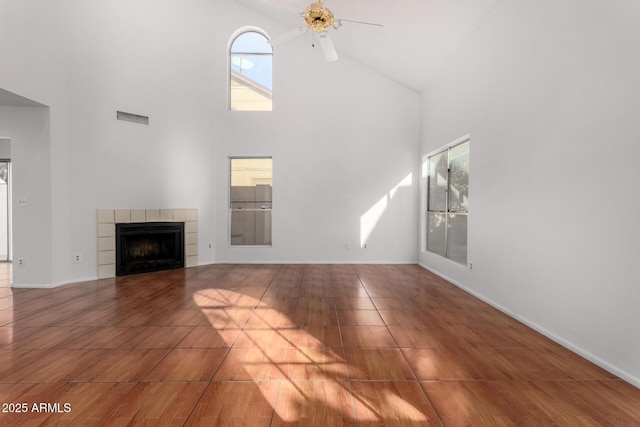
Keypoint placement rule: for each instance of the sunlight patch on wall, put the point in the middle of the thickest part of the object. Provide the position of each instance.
(370, 219)
(406, 182)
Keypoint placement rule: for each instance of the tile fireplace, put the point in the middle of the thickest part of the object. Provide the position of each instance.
(109, 220)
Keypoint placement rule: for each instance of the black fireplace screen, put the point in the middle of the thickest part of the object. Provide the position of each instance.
(149, 246)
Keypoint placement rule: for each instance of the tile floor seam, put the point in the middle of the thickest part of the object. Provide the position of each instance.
(195, 405)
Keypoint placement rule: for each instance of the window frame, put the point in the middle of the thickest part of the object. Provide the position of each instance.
(232, 39)
(230, 209)
(447, 211)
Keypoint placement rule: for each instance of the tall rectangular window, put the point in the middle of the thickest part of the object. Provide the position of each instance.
(447, 201)
(250, 201)
(251, 72)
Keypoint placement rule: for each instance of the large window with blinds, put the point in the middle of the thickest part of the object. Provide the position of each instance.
(448, 201)
(250, 201)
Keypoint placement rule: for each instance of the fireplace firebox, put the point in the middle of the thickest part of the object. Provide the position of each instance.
(149, 246)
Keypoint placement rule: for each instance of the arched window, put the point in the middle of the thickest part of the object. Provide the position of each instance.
(250, 72)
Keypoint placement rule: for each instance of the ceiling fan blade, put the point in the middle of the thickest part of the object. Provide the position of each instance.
(289, 35)
(326, 44)
(340, 21)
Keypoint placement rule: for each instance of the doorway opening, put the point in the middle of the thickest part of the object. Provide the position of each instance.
(5, 210)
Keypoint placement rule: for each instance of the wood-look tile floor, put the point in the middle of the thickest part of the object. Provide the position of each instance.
(267, 345)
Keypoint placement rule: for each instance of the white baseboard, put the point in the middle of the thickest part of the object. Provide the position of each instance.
(235, 262)
(317, 262)
(33, 286)
(76, 281)
(631, 379)
(53, 285)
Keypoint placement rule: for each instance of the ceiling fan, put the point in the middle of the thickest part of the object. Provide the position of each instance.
(318, 20)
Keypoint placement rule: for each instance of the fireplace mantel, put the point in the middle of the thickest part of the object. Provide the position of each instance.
(108, 218)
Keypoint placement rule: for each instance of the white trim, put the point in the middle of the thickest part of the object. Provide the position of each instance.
(230, 246)
(38, 286)
(626, 376)
(317, 262)
(55, 285)
(458, 141)
(77, 281)
(219, 262)
(246, 29)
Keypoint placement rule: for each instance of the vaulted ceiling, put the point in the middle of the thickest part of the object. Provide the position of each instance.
(9, 99)
(417, 37)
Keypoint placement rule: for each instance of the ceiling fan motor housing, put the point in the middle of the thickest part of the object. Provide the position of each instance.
(318, 17)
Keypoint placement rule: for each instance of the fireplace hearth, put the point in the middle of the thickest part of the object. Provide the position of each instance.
(149, 246)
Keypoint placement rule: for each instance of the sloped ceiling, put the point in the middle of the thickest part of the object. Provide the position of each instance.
(417, 37)
(9, 99)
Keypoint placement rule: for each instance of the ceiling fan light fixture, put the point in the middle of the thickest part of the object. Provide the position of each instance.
(318, 17)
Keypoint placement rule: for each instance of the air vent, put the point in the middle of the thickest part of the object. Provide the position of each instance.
(133, 118)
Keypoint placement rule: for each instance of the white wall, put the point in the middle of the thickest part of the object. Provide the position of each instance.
(33, 42)
(28, 128)
(5, 148)
(167, 60)
(88, 59)
(549, 93)
(342, 138)
(151, 58)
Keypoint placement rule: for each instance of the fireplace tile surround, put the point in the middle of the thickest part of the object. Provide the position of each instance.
(107, 219)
